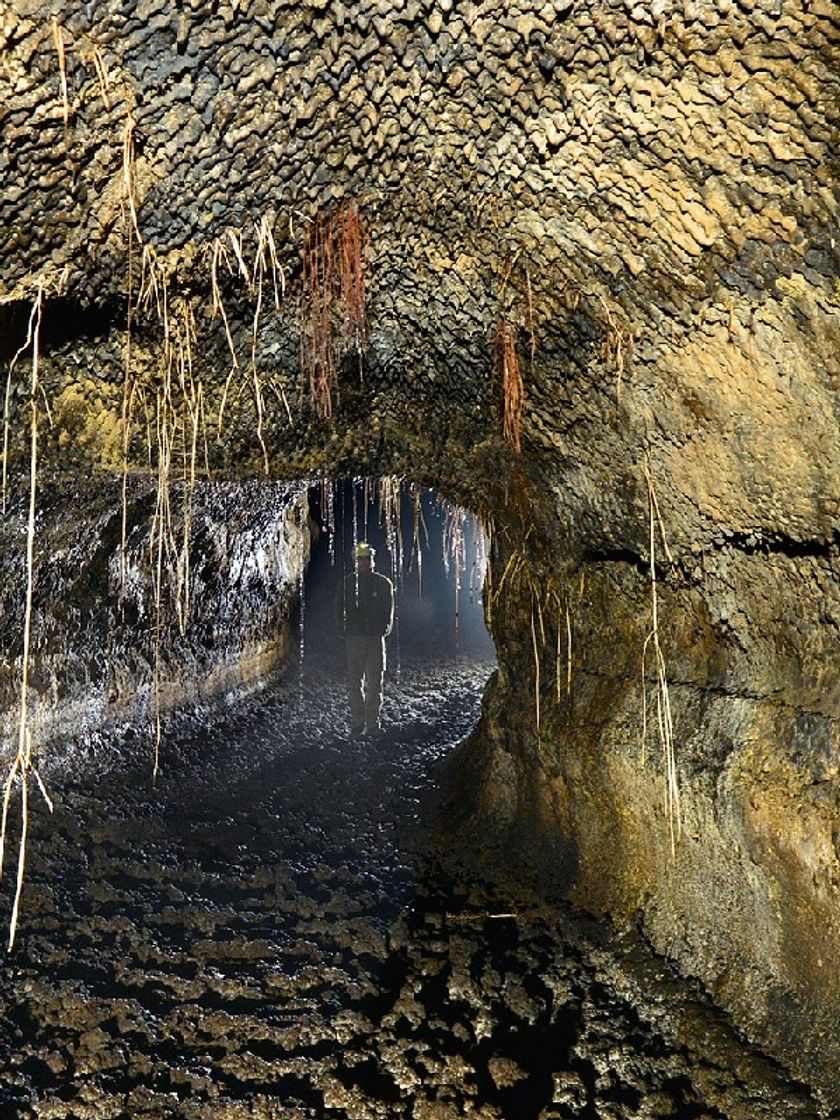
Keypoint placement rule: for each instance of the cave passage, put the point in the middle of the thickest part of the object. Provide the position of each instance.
(273, 930)
(433, 551)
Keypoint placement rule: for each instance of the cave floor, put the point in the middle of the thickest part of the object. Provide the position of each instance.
(264, 933)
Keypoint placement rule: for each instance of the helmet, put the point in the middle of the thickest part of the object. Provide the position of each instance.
(364, 550)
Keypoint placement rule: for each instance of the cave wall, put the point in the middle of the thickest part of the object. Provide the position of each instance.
(643, 198)
(748, 899)
(121, 642)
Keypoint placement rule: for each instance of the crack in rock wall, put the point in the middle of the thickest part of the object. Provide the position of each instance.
(644, 199)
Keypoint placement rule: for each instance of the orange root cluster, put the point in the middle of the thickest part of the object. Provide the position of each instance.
(333, 313)
(513, 391)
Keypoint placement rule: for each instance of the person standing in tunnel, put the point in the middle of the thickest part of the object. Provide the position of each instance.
(364, 608)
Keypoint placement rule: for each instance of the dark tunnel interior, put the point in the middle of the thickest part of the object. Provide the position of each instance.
(433, 551)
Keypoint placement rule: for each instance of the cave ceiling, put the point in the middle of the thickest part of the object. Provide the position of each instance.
(641, 197)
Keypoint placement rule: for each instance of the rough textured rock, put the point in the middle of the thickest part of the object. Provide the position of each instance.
(109, 650)
(263, 935)
(647, 194)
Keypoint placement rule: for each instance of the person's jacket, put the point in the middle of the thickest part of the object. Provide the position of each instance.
(364, 605)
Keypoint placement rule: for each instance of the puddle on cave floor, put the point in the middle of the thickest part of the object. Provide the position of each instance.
(260, 936)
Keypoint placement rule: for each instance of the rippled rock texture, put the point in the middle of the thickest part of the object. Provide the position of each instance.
(260, 936)
(331, 239)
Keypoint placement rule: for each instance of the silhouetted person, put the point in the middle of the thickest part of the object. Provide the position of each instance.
(364, 610)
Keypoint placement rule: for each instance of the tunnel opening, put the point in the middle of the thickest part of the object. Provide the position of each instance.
(439, 654)
(433, 551)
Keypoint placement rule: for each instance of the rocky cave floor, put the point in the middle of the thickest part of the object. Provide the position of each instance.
(263, 933)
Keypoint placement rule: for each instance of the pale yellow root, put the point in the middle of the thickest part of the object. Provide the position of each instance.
(663, 700)
(58, 39)
(22, 763)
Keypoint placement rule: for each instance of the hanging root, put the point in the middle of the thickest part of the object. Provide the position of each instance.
(126, 422)
(172, 401)
(619, 334)
(536, 670)
(454, 552)
(219, 256)
(513, 394)
(235, 238)
(165, 399)
(7, 421)
(418, 523)
(664, 719)
(22, 763)
(129, 186)
(91, 55)
(390, 503)
(58, 40)
(317, 358)
(480, 553)
(333, 314)
(229, 253)
(517, 309)
(568, 652)
(564, 637)
(265, 257)
(351, 237)
(187, 417)
(101, 73)
(618, 343)
(530, 317)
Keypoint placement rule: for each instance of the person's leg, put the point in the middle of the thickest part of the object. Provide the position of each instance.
(356, 651)
(374, 673)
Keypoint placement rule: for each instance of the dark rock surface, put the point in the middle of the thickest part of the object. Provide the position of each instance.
(266, 933)
(104, 657)
(640, 198)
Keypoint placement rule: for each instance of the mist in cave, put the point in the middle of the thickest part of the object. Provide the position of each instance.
(434, 553)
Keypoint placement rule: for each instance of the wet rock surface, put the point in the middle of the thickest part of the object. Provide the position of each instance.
(102, 636)
(642, 199)
(265, 933)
